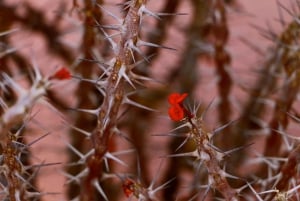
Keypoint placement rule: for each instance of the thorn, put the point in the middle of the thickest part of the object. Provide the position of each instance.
(86, 133)
(187, 124)
(266, 33)
(103, 65)
(162, 186)
(183, 143)
(224, 126)
(112, 43)
(15, 86)
(206, 109)
(110, 14)
(88, 111)
(169, 135)
(132, 46)
(238, 148)
(8, 32)
(126, 100)
(38, 139)
(98, 82)
(156, 175)
(112, 27)
(137, 63)
(112, 157)
(281, 16)
(8, 51)
(255, 193)
(171, 14)
(45, 165)
(122, 74)
(72, 148)
(143, 9)
(144, 43)
(191, 154)
(100, 190)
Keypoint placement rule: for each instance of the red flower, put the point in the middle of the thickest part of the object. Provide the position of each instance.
(176, 98)
(62, 74)
(177, 112)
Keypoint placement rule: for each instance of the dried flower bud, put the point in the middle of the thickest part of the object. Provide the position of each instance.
(128, 187)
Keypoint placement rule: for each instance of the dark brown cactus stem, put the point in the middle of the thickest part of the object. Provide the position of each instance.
(290, 63)
(222, 61)
(211, 160)
(114, 94)
(84, 121)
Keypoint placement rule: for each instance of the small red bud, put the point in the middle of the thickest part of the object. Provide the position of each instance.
(128, 187)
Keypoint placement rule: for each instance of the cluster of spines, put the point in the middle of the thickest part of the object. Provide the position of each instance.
(16, 177)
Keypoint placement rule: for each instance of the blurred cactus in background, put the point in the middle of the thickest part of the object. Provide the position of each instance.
(145, 100)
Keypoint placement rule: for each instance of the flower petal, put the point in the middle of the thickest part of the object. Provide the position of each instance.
(62, 74)
(176, 98)
(176, 113)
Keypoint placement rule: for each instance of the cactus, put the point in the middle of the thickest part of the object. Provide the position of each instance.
(130, 133)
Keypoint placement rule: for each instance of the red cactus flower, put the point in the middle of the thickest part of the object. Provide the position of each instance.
(176, 98)
(62, 74)
(177, 112)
